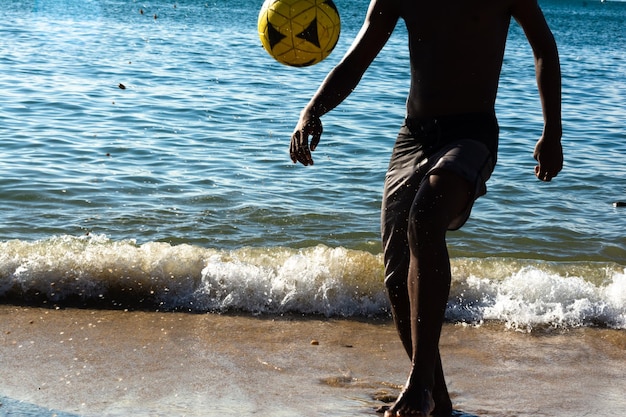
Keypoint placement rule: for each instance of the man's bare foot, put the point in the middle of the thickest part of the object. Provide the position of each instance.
(412, 403)
(438, 411)
(443, 404)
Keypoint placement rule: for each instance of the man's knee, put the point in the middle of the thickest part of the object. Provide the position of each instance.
(443, 196)
(427, 221)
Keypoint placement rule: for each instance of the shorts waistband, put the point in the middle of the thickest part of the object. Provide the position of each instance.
(434, 132)
(429, 125)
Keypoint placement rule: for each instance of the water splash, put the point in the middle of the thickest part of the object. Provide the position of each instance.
(94, 271)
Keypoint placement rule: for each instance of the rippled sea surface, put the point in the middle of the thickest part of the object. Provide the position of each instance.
(193, 149)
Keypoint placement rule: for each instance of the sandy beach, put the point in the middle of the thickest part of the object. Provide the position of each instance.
(145, 160)
(116, 363)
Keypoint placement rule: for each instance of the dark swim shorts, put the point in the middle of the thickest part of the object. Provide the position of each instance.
(466, 144)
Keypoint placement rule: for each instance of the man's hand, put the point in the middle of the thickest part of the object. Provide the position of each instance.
(549, 154)
(299, 149)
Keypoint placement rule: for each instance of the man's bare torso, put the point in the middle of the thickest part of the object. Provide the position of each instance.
(456, 48)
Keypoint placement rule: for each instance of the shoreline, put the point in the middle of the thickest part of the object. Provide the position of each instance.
(117, 363)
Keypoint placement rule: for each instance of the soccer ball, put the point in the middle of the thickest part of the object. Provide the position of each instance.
(299, 32)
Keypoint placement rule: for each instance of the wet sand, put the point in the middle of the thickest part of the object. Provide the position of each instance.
(115, 363)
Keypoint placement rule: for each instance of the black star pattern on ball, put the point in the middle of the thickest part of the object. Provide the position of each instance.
(274, 35)
(310, 33)
(330, 4)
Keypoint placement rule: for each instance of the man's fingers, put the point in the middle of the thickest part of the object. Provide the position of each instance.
(299, 149)
(317, 134)
(293, 153)
(544, 175)
(315, 140)
(304, 154)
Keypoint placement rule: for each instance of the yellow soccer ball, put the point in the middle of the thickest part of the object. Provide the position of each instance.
(299, 32)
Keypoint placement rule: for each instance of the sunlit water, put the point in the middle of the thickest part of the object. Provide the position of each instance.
(183, 180)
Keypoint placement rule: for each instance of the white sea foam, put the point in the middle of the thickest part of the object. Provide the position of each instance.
(533, 297)
(318, 280)
(95, 271)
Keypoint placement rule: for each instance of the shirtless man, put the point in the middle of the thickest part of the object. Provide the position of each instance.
(444, 153)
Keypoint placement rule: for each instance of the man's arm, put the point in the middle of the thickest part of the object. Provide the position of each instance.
(548, 151)
(380, 22)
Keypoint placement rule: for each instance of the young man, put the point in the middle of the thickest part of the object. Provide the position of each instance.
(444, 153)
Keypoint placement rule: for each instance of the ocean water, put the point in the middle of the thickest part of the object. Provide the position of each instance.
(177, 191)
